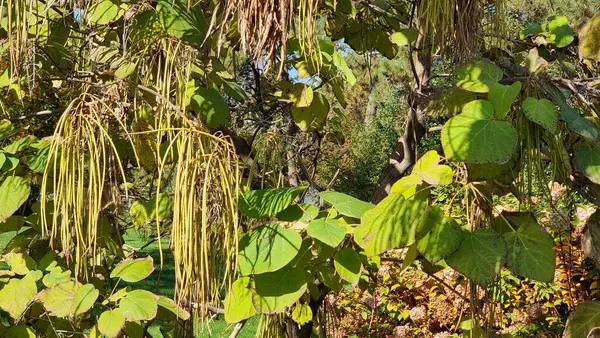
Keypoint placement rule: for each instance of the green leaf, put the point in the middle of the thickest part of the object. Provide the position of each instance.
(326, 274)
(133, 270)
(302, 314)
(480, 256)
(393, 223)
(238, 303)
(474, 136)
(84, 299)
(407, 186)
(104, 13)
(266, 248)
(58, 300)
(264, 203)
(298, 213)
(314, 116)
(574, 120)
(451, 101)
(589, 39)
(209, 104)
(188, 25)
(20, 331)
(340, 62)
(502, 98)
(134, 329)
(345, 204)
(443, 240)
(347, 264)
(301, 95)
(20, 262)
(125, 70)
(139, 305)
(140, 212)
(56, 276)
(479, 76)
(275, 291)
(166, 304)
(429, 169)
(530, 29)
(14, 191)
(559, 27)
(328, 231)
(111, 322)
(542, 112)
(530, 249)
(20, 144)
(404, 37)
(6, 128)
(583, 320)
(235, 91)
(587, 161)
(25, 288)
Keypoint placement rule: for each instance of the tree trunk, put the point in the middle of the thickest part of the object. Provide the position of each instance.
(404, 154)
(305, 331)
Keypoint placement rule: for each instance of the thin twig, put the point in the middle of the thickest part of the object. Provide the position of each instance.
(238, 328)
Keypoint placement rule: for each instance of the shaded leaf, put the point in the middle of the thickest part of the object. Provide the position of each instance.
(480, 256)
(542, 112)
(275, 291)
(267, 202)
(583, 320)
(444, 239)
(348, 265)
(589, 39)
(211, 106)
(502, 98)
(530, 249)
(474, 137)
(268, 247)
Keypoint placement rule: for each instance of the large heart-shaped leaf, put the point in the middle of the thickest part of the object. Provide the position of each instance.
(267, 248)
(587, 160)
(14, 191)
(530, 249)
(404, 37)
(183, 22)
(209, 104)
(444, 239)
(474, 137)
(562, 34)
(393, 223)
(238, 303)
(111, 322)
(583, 320)
(84, 299)
(104, 12)
(480, 256)
(58, 300)
(26, 290)
(589, 39)
(345, 204)
(314, 116)
(275, 291)
(542, 112)
(348, 265)
(263, 203)
(328, 231)
(133, 270)
(139, 305)
(502, 97)
(449, 102)
(479, 76)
